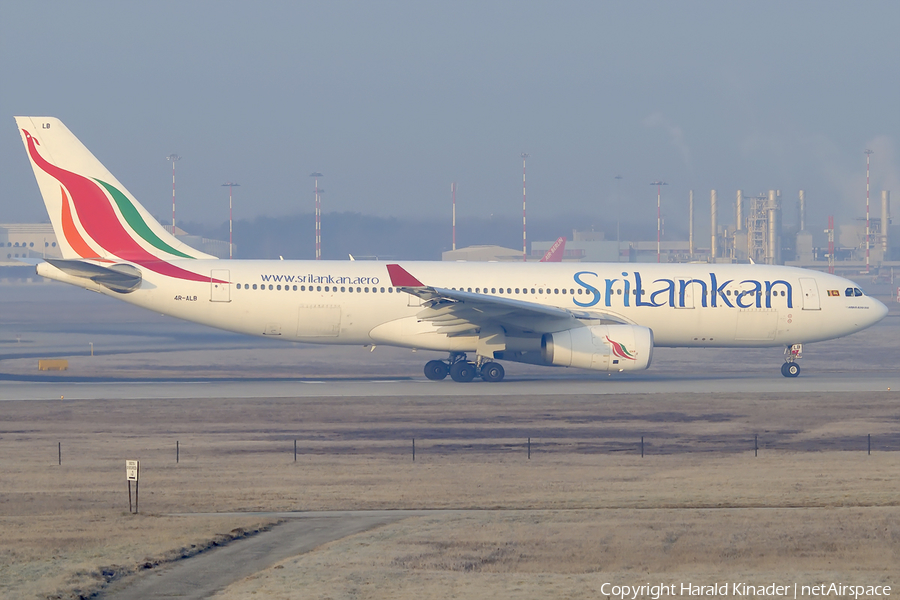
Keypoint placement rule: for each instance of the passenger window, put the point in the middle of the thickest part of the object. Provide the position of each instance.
(270, 286)
(238, 286)
(382, 290)
(564, 290)
(295, 288)
(493, 290)
(532, 290)
(367, 290)
(279, 287)
(390, 290)
(254, 286)
(579, 291)
(509, 290)
(541, 291)
(517, 290)
(358, 290)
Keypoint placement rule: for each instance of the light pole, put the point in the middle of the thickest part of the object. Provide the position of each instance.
(316, 176)
(230, 185)
(868, 154)
(453, 193)
(174, 158)
(658, 185)
(524, 237)
(618, 179)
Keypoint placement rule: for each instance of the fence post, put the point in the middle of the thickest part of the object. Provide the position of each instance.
(755, 444)
(177, 452)
(529, 448)
(870, 444)
(295, 450)
(414, 449)
(642, 446)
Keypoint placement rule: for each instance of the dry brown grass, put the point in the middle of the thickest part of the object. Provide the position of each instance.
(570, 554)
(585, 508)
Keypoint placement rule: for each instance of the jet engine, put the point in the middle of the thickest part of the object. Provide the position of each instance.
(600, 348)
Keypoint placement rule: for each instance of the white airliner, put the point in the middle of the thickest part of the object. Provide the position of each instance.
(597, 316)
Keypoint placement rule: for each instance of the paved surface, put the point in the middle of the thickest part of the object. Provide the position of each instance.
(617, 384)
(205, 574)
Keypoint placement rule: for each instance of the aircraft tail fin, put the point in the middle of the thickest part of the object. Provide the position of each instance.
(556, 251)
(93, 215)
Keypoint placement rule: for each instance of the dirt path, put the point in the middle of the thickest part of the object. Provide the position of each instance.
(204, 574)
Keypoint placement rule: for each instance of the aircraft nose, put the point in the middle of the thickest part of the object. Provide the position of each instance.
(879, 309)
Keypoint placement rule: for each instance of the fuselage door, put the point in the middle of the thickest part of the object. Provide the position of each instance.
(684, 292)
(810, 293)
(220, 286)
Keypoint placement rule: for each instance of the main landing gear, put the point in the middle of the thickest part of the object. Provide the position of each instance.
(461, 370)
(790, 368)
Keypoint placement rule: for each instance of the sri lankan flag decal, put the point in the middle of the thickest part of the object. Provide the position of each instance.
(833, 293)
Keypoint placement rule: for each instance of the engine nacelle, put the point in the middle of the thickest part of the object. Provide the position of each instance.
(600, 348)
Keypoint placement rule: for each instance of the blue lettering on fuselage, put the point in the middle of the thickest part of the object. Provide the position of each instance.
(681, 293)
(589, 289)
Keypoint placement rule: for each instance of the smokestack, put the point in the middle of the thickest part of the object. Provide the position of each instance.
(691, 224)
(774, 218)
(739, 211)
(802, 210)
(885, 222)
(715, 224)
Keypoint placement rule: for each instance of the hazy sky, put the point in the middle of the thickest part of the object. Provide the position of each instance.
(394, 100)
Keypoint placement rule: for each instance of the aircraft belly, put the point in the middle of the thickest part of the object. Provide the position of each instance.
(410, 332)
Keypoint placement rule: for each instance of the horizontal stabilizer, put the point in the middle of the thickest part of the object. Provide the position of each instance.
(122, 278)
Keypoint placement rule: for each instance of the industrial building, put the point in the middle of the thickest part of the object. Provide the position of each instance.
(757, 234)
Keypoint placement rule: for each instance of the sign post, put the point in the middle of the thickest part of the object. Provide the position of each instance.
(133, 473)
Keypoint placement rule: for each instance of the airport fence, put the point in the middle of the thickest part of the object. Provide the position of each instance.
(423, 448)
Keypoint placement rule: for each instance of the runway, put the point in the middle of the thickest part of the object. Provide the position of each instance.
(338, 388)
(118, 351)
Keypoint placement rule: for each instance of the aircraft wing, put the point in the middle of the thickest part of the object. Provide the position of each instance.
(456, 312)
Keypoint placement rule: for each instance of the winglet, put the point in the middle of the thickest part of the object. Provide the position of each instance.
(401, 278)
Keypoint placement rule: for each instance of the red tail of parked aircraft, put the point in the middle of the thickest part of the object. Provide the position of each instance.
(556, 251)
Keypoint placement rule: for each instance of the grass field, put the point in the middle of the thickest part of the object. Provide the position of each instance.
(585, 509)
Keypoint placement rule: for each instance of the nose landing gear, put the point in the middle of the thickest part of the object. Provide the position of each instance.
(463, 371)
(790, 368)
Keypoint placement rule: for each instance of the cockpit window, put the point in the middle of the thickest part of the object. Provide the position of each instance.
(852, 292)
(857, 292)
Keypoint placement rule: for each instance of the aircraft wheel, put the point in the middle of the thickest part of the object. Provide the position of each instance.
(462, 371)
(790, 369)
(436, 370)
(492, 372)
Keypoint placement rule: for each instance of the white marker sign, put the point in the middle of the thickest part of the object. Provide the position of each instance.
(132, 470)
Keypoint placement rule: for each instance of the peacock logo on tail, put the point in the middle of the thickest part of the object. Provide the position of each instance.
(91, 201)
